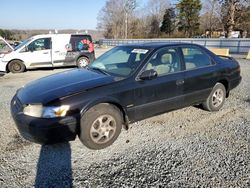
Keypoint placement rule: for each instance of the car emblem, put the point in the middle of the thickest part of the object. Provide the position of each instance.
(14, 102)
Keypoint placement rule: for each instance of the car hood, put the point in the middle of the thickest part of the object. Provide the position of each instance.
(8, 46)
(61, 84)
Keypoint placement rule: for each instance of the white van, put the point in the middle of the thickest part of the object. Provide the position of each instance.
(50, 50)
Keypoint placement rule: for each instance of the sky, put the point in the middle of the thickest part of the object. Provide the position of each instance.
(51, 14)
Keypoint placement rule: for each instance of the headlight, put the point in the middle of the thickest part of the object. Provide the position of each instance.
(46, 112)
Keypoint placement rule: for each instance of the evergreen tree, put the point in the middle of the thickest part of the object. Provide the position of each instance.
(168, 23)
(189, 11)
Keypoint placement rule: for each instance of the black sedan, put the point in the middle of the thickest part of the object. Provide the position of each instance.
(124, 85)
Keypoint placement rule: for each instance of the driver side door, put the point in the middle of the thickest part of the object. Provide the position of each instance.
(38, 53)
(163, 93)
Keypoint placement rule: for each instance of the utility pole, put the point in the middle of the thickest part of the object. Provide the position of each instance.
(129, 6)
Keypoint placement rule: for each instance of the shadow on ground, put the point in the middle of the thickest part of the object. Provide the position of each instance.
(54, 166)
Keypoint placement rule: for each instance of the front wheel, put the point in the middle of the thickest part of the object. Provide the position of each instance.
(100, 126)
(216, 98)
(16, 66)
(82, 62)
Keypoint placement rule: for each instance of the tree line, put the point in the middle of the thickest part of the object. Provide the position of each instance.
(186, 18)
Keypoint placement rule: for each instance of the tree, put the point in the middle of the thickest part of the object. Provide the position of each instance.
(188, 16)
(113, 18)
(168, 23)
(154, 12)
(210, 20)
(229, 11)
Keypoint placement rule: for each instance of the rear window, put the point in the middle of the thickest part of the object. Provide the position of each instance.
(195, 58)
(76, 44)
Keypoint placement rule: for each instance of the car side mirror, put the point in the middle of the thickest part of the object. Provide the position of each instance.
(148, 75)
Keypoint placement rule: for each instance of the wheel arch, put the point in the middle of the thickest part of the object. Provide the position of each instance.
(111, 101)
(82, 55)
(225, 82)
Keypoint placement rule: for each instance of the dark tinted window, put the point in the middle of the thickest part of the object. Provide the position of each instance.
(40, 44)
(76, 43)
(195, 58)
(165, 61)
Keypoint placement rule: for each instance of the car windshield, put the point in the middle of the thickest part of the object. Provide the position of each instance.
(121, 61)
(23, 43)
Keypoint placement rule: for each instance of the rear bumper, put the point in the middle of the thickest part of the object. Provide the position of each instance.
(234, 83)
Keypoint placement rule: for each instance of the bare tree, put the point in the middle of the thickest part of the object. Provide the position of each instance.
(210, 19)
(229, 11)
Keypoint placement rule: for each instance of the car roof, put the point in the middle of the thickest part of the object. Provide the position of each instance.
(154, 45)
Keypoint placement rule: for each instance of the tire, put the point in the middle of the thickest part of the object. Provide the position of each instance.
(97, 124)
(82, 62)
(16, 66)
(216, 98)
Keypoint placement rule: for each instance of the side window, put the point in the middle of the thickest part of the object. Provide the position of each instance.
(195, 58)
(40, 44)
(165, 61)
(79, 42)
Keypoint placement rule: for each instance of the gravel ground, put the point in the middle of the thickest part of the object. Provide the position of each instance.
(184, 148)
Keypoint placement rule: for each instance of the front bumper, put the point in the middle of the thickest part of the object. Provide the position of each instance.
(3, 66)
(43, 130)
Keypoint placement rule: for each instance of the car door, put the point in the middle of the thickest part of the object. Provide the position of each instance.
(164, 92)
(38, 53)
(60, 46)
(200, 75)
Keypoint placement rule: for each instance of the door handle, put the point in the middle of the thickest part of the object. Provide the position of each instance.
(56, 51)
(180, 82)
(45, 52)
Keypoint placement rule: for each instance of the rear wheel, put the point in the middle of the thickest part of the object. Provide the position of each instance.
(100, 126)
(216, 98)
(16, 66)
(82, 62)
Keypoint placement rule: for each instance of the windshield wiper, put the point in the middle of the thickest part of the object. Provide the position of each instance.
(98, 69)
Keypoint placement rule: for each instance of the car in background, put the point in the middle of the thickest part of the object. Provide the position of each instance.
(124, 85)
(5, 48)
(50, 50)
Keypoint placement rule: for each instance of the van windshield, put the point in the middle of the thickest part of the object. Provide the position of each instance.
(23, 44)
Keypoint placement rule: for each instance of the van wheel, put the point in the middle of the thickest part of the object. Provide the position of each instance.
(216, 98)
(100, 126)
(16, 66)
(82, 62)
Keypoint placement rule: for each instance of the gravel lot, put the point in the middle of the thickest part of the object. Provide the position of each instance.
(184, 148)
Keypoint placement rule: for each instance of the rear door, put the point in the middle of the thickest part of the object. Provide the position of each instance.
(59, 49)
(163, 93)
(78, 48)
(200, 74)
